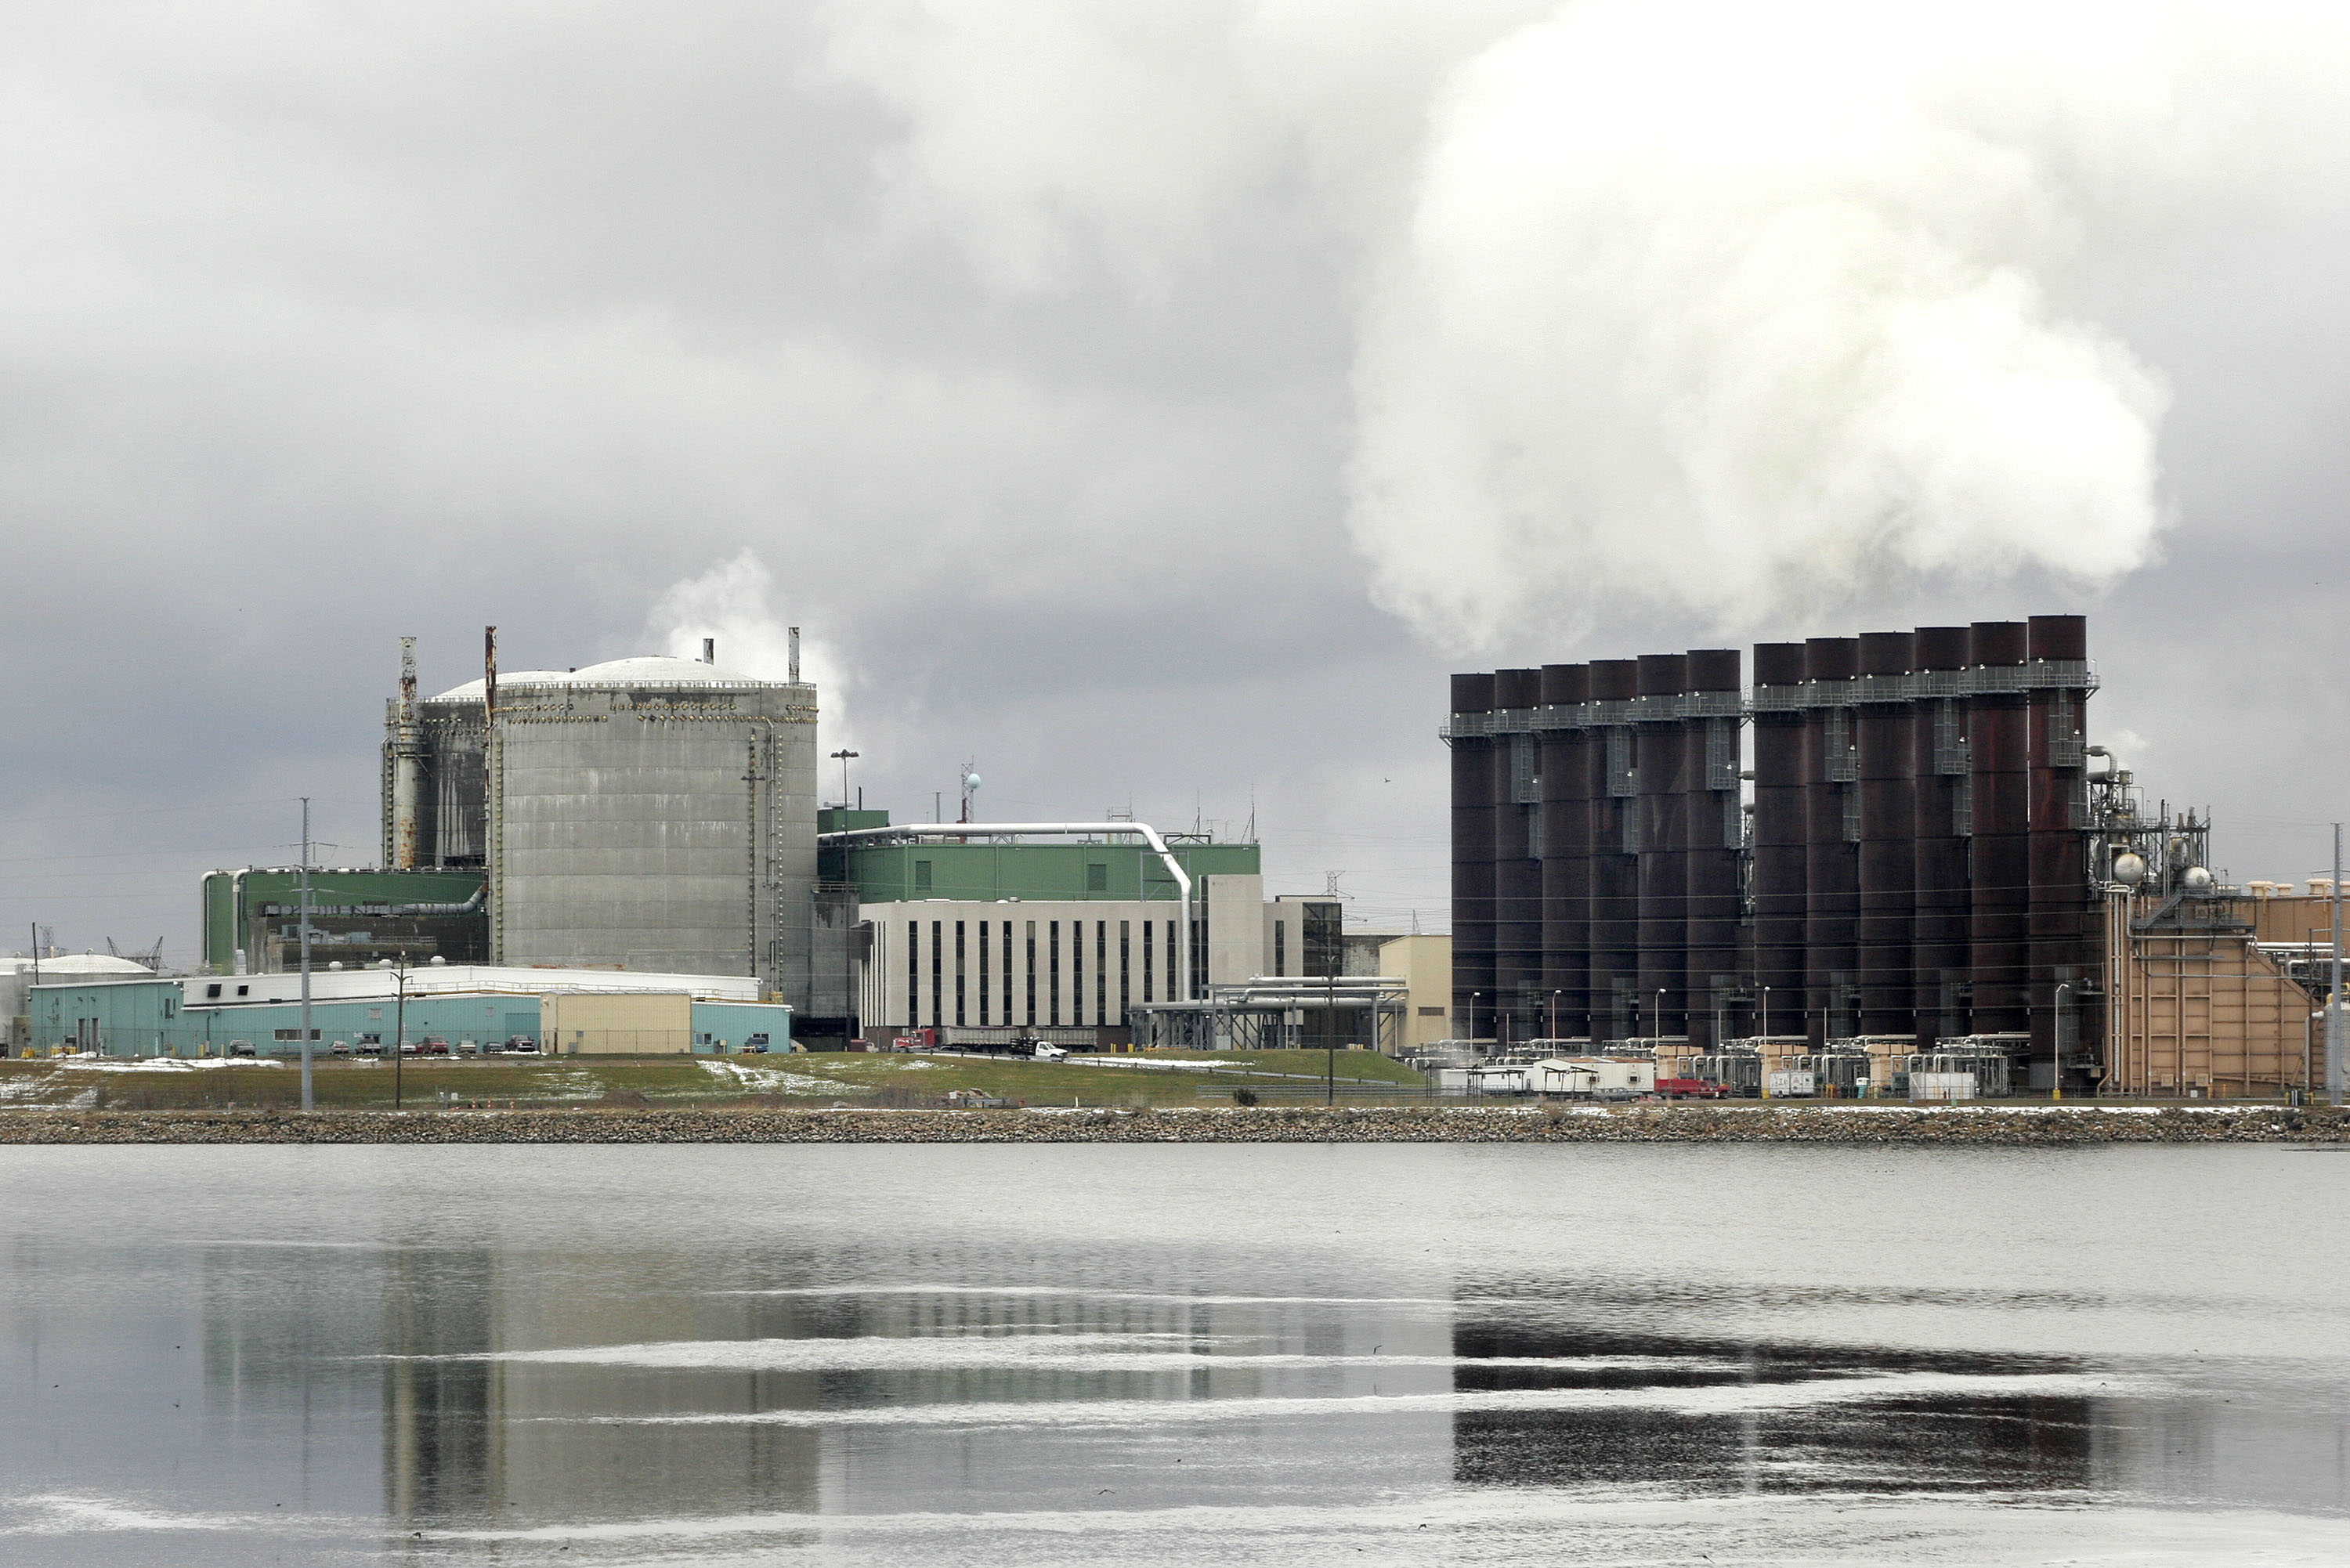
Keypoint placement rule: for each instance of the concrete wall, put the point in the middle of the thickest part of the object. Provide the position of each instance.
(578, 1025)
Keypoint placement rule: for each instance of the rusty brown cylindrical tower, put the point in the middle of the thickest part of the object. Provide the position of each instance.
(1780, 841)
(1472, 853)
(1714, 832)
(1566, 850)
(1999, 778)
(1615, 819)
(1664, 845)
(1939, 771)
(1883, 723)
(1830, 840)
(2062, 952)
(1517, 872)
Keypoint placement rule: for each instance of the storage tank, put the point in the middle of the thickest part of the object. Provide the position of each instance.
(647, 814)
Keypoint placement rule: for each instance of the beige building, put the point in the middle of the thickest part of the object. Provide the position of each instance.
(579, 1024)
(2210, 1008)
(1424, 964)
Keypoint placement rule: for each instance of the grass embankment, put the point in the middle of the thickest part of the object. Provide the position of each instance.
(817, 1079)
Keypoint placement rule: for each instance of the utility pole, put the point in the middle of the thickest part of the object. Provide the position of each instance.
(308, 1104)
(398, 1021)
(2334, 989)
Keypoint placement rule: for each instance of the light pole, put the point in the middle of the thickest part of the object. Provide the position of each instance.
(1554, 1015)
(308, 1105)
(398, 1021)
(1657, 1016)
(1766, 1012)
(1472, 1012)
(842, 757)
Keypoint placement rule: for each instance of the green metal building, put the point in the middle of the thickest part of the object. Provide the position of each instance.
(356, 915)
(1126, 871)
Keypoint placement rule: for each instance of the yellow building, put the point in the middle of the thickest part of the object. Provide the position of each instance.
(1424, 964)
(637, 1025)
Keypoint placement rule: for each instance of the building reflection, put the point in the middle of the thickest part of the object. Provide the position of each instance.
(440, 1353)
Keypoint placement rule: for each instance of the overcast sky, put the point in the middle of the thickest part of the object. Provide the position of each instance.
(1149, 403)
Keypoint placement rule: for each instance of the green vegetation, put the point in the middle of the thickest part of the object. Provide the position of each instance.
(817, 1079)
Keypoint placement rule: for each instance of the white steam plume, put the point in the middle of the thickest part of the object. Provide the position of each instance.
(1706, 306)
(733, 602)
(1729, 306)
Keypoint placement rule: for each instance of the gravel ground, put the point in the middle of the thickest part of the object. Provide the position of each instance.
(2037, 1126)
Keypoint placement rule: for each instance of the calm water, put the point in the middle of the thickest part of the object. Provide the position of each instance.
(1133, 1355)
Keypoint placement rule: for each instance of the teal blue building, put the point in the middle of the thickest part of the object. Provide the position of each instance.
(154, 1018)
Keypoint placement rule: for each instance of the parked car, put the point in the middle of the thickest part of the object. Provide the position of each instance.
(370, 1045)
(431, 1045)
(521, 1046)
(240, 1048)
(757, 1044)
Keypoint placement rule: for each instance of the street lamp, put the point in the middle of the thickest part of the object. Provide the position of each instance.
(842, 757)
(1472, 1012)
(1766, 1012)
(398, 1021)
(1554, 1015)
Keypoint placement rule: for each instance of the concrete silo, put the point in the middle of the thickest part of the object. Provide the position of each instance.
(647, 814)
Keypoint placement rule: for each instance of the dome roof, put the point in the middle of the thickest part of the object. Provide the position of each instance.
(64, 964)
(645, 670)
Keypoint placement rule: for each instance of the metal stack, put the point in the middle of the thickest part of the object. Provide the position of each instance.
(1910, 864)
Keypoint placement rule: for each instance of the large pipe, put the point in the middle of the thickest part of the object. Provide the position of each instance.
(1615, 868)
(1831, 835)
(1517, 874)
(1885, 724)
(1567, 851)
(963, 830)
(1713, 832)
(1999, 779)
(1780, 852)
(1472, 851)
(1939, 773)
(1664, 845)
(405, 763)
(2058, 645)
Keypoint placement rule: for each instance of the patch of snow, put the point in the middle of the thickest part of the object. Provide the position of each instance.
(160, 1064)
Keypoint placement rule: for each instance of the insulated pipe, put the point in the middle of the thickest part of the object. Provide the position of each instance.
(1940, 794)
(1831, 855)
(1714, 831)
(1517, 874)
(1885, 724)
(1615, 870)
(959, 830)
(1566, 857)
(1472, 850)
(1780, 851)
(2000, 779)
(1663, 999)
(2057, 857)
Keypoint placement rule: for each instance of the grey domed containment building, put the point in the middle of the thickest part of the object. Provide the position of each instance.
(648, 813)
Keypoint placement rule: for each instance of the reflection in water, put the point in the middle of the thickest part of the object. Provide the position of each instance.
(549, 1366)
(1882, 1440)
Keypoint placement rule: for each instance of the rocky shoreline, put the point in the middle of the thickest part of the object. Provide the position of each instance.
(2027, 1127)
